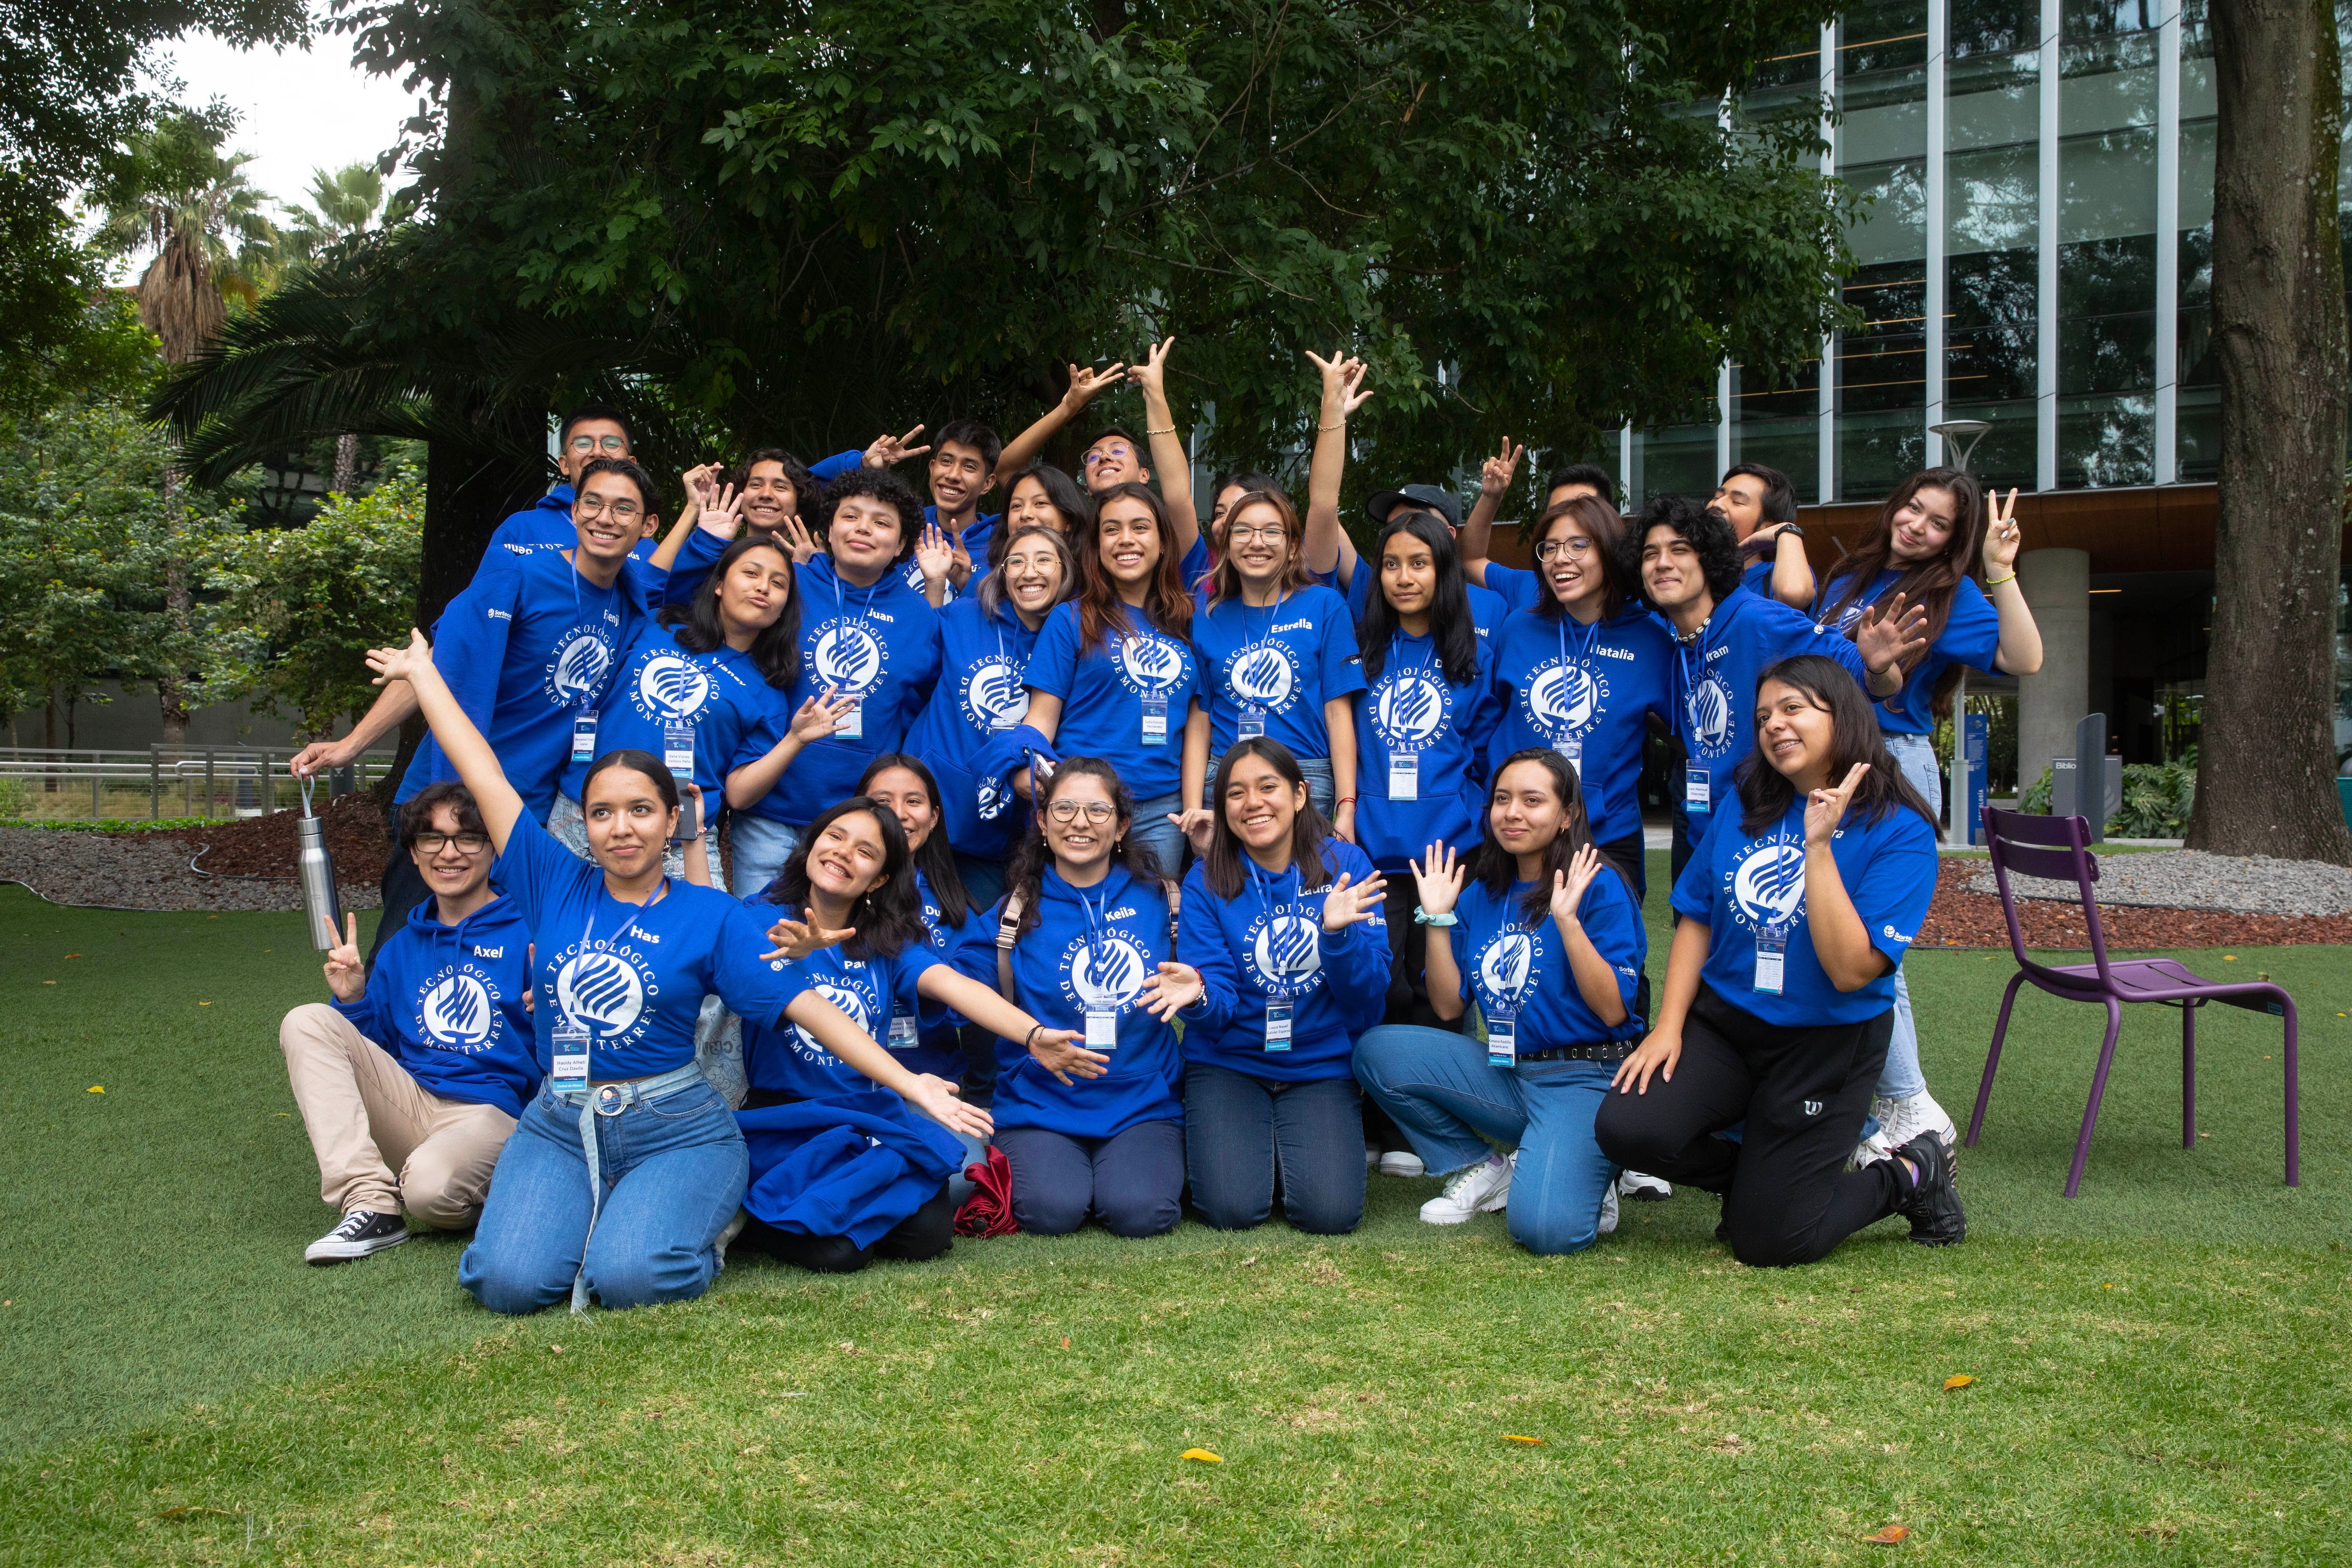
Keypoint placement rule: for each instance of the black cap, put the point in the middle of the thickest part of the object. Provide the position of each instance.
(1422, 498)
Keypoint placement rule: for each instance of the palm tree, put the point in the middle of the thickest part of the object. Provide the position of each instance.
(342, 204)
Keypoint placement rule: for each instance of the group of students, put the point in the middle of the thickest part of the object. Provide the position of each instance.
(764, 876)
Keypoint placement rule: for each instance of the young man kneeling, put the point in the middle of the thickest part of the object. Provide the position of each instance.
(411, 1081)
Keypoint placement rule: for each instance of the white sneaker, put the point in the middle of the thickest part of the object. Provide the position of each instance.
(726, 1237)
(1402, 1163)
(1644, 1189)
(1900, 1120)
(1482, 1188)
(1608, 1225)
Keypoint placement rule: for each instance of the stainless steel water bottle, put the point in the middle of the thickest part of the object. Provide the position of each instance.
(316, 869)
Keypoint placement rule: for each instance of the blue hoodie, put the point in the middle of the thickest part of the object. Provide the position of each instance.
(854, 1168)
(446, 1002)
(1286, 659)
(980, 693)
(1486, 608)
(527, 648)
(1562, 682)
(1505, 962)
(1268, 944)
(722, 694)
(549, 526)
(1715, 677)
(1090, 945)
(1414, 712)
(1522, 589)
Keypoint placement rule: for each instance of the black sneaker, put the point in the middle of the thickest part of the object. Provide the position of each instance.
(363, 1232)
(1934, 1205)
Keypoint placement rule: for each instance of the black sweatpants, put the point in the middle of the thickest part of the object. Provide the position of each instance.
(1804, 1094)
(923, 1235)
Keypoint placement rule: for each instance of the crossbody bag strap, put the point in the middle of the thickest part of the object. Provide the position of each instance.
(1008, 927)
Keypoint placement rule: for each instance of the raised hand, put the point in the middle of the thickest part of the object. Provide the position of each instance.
(1496, 473)
(960, 563)
(722, 512)
(1199, 826)
(1153, 374)
(391, 664)
(346, 973)
(934, 556)
(1063, 1052)
(1890, 632)
(1346, 905)
(700, 480)
(796, 537)
(1437, 876)
(889, 450)
(937, 1099)
(819, 717)
(2002, 536)
(1086, 384)
(796, 940)
(1825, 808)
(1171, 987)
(1567, 887)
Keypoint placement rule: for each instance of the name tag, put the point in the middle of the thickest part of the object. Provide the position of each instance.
(1404, 777)
(1102, 1028)
(1155, 720)
(1697, 789)
(904, 1034)
(570, 1038)
(1573, 749)
(678, 748)
(1771, 954)
(584, 738)
(1251, 726)
(853, 724)
(1278, 1026)
(1502, 1038)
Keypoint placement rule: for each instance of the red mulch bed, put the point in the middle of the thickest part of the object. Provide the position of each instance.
(1960, 917)
(267, 845)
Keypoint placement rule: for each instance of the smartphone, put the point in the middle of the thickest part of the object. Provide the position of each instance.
(689, 816)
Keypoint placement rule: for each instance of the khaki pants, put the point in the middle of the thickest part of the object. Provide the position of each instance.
(367, 1118)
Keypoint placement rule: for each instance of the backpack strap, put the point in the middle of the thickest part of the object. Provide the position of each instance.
(1008, 927)
(1174, 893)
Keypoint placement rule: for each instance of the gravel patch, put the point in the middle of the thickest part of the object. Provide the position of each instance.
(2193, 879)
(146, 872)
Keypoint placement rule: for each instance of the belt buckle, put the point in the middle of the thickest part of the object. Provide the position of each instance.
(609, 1101)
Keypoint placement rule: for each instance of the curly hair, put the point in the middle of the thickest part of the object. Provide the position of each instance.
(883, 486)
(1710, 538)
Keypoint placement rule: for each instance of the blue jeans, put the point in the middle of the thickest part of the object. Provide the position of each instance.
(760, 846)
(1132, 1182)
(1440, 1091)
(983, 880)
(1902, 1077)
(975, 1152)
(674, 1172)
(1157, 834)
(1239, 1130)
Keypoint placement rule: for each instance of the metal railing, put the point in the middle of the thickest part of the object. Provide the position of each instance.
(87, 784)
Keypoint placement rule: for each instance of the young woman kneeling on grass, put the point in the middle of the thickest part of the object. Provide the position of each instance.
(626, 1165)
(1085, 942)
(1780, 992)
(1283, 922)
(1549, 939)
(851, 885)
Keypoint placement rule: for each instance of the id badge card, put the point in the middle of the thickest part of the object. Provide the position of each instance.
(1155, 720)
(1102, 1028)
(1404, 777)
(570, 1038)
(1251, 726)
(1278, 1026)
(1502, 1038)
(1771, 954)
(904, 1033)
(1697, 789)
(853, 723)
(584, 738)
(678, 748)
(1573, 749)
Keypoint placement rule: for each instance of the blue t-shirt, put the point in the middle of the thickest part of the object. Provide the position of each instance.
(1971, 637)
(720, 695)
(982, 666)
(1283, 660)
(549, 526)
(1267, 946)
(1091, 946)
(872, 991)
(447, 1003)
(1414, 723)
(1563, 684)
(1104, 690)
(1714, 683)
(1486, 608)
(635, 975)
(1736, 883)
(1519, 587)
(1757, 578)
(528, 648)
(1507, 964)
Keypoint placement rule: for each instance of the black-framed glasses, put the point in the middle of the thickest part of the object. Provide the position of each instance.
(465, 843)
(1067, 811)
(1578, 548)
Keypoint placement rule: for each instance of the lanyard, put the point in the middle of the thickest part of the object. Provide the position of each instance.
(1266, 903)
(579, 613)
(588, 929)
(1690, 663)
(841, 614)
(1094, 932)
(1586, 638)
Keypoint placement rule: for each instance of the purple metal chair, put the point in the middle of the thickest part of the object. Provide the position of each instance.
(2054, 847)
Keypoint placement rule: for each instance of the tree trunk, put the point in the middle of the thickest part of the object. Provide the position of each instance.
(171, 681)
(2266, 757)
(347, 463)
(467, 493)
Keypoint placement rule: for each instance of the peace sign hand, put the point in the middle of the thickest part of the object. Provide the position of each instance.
(1567, 887)
(1348, 905)
(1496, 473)
(1825, 808)
(795, 536)
(2002, 536)
(796, 940)
(1086, 384)
(346, 974)
(888, 451)
(1437, 876)
(1891, 633)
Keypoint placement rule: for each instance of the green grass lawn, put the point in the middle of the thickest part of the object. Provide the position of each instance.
(2160, 1365)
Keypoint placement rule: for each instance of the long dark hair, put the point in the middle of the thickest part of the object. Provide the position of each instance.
(1495, 868)
(1766, 794)
(1449, 607)
(1069, 498)
(889, 915)
(935, 859)
(1310, 830)
(991, 592)
(1166, 602)
(1932, 582)
(1606, 528)
(1026, 877)
(776, 651)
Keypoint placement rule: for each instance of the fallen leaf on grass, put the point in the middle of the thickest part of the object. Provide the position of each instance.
(1514, 1438)
(96, 1088)
(1065, 1342)
(1958, 1380)
(1203, 1455)
(1892, 1535)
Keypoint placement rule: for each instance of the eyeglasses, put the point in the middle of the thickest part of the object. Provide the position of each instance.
(1110, 454)
(1578, 548)
(609, 442)
(594, 506)
(465, 843)
(1273, 530)
(1067, 811)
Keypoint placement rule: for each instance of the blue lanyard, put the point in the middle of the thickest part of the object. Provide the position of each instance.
(1586, 638)
(1265, 902)
(1690, 663)
(1094, 932)
(579, 613)
(841, 614)
(588, 929)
